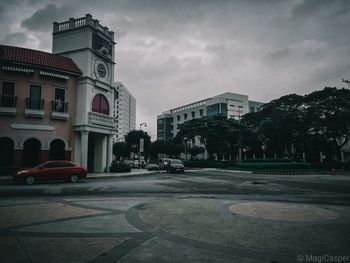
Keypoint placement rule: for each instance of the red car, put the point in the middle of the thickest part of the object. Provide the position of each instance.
(52, 171)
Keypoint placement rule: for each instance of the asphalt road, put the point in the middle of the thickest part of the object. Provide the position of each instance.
(200, 216)
(315, 188)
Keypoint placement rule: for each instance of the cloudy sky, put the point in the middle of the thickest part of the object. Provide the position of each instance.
(173, 52)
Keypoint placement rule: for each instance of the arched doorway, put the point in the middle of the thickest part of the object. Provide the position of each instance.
(6, 155)
(57, 151)
(31, 152)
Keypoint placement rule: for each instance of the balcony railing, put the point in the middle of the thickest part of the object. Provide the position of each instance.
(34, 104)
(59, 106)
(8, 104)
(100, 119)
(34, 107)
(59, 110)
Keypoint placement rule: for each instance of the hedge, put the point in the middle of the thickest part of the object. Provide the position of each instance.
(205, 164)
(275, 165)
(119, 167)
(268, 160)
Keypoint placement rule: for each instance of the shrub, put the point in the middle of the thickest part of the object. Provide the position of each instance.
(119, 167)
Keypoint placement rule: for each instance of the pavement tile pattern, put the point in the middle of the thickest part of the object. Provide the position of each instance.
(162, 229)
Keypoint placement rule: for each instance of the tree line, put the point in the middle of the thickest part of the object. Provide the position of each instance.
(295, 126)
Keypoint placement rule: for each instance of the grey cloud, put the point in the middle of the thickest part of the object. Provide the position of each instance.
(320, 7)
(18, 38)
(42, 19)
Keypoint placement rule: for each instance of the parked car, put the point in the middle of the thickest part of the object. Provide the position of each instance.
(137, 164)
(52, 171)
(175, 165)
(152, 167)
(163, 163)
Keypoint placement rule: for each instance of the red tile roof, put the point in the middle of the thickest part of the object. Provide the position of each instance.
(37, 58)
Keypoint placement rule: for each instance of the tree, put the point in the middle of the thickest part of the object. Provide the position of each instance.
(133, 141)
(121, 150)
(328, 116)
(195, 150)
(211, 131)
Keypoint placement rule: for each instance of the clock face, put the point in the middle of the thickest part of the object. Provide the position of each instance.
(101, 70)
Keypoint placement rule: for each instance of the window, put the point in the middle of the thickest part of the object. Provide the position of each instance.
(252, 109)
(59, 104)
(178, 117)
(34, 100)
(51, 165)
(201, 112)
(100, 104)
(66, 164)
(185, 116)
(193, 114)
(7, 94)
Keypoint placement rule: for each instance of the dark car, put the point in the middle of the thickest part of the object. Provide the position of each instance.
(175, 165)
(52, 171)
(152, 167)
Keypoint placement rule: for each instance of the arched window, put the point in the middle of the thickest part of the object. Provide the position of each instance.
(100, 104)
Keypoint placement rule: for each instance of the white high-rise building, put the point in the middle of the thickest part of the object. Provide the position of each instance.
(230, 105)
(124, 111)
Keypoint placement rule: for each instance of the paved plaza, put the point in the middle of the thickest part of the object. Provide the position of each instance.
(287, 219)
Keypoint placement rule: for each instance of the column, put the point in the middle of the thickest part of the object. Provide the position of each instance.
(84, 148)
(18, 157)
(109, 151)
(45, 153)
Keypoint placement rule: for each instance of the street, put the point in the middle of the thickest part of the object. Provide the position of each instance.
(199, 216)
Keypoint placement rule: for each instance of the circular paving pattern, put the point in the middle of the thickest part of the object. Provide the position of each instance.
(282, 211)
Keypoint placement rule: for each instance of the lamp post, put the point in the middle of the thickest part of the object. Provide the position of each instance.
(185, 140)
(141, 142)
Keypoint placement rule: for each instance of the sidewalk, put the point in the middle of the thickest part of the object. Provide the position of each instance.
(133, 172)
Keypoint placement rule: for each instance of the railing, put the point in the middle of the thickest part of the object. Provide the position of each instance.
(79, 22)
(102, 120)
(8, 101)
(34, 104)
(59, 106)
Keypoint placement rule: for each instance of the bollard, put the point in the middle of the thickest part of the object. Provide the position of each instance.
(333, 172)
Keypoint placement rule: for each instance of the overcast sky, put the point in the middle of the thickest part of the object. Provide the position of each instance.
(173, 52)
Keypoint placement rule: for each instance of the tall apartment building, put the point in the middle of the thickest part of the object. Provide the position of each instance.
(124, 111)
(228, 104)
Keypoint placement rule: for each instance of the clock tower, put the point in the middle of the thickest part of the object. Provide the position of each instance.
(91, 46)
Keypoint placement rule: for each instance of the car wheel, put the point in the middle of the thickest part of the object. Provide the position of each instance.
(74, 178)
(30, 179)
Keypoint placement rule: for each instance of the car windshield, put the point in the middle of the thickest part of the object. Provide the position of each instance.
(176, 161)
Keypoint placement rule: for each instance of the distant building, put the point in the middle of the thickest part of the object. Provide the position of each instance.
(124, 111)
(38, 93)
(230, 105)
